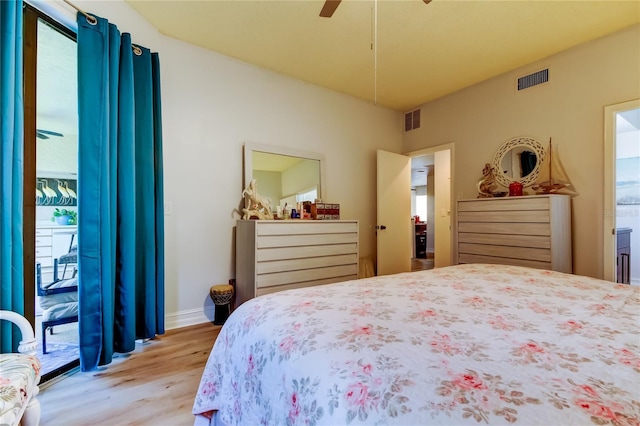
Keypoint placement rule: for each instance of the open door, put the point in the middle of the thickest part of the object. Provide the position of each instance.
(394, 223)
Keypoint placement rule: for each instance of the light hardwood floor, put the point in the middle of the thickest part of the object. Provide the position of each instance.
(422, 264)
(154, 385)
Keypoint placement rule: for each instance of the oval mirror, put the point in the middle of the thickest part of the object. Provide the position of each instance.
(518, 160)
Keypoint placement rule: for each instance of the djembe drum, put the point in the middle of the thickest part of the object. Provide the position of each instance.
(221, 294)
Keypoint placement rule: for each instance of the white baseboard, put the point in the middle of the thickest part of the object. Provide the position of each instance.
(635, 281)
(187, 318)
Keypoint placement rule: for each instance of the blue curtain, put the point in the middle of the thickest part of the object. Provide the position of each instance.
(120, 193)
(11, 173)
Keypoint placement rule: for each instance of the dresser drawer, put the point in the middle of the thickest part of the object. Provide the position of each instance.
(44, 240)
(537, 241)
(537, 254)
(289, 277)
(273, 289)
(505, 228)
(305, 240)
(511, 216)
(43, 232)
(504, 204)
(305, 263)
(473, 258)
(298, 252)
(308, 228)
(43, 251)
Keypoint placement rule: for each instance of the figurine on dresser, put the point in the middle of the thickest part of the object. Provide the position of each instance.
(486, 184)
(255, 205)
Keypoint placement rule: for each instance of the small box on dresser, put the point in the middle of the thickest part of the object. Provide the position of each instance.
(325, 211)
(276, 255)
(530, 231)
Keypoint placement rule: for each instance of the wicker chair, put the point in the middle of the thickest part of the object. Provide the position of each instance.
(20, 377)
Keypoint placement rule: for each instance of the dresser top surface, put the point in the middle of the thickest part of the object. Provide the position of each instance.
(522, 197)
(290, 221)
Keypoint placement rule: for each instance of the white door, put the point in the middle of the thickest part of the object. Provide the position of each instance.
(394, 223)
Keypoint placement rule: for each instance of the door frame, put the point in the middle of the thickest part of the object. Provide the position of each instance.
(451, 207)
(609, 233)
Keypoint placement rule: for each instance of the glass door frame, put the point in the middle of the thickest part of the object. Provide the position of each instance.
(31, 17)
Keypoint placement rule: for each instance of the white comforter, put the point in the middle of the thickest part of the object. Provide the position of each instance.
(466, 344)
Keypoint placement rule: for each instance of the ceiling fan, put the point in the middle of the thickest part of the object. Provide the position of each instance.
(330, 6)
(43, 134)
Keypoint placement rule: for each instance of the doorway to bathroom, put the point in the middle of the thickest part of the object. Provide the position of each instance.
(622, 193)
(422, 202)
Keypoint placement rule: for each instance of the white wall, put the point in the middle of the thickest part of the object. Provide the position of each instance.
(570, 108)
(442, 210)
(206, 99)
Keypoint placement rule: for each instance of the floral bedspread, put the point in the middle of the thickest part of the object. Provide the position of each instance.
(19, 377)
(467, 344)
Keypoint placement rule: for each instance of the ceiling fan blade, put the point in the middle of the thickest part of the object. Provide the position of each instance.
(41, 136)
(329, 7)
(49, 132)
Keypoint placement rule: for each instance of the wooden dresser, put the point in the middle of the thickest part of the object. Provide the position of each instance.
(530, 231)
(275, 255)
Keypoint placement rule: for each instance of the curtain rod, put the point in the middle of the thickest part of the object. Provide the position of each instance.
(92, 20)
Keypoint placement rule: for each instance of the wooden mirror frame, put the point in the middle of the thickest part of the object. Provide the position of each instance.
(531, 145)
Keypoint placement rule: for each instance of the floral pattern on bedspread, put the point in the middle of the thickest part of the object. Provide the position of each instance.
(468, 344)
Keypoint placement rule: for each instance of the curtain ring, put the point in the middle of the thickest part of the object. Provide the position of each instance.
(136, 50)
(91, 19)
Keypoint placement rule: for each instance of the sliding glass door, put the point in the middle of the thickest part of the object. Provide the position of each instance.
(51, 182)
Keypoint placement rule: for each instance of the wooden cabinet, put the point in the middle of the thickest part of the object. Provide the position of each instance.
(274, 255)
(52, 241)
(532, 231)
(623, 260)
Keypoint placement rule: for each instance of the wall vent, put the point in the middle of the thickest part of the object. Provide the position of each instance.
(412, 120)
(533, 79)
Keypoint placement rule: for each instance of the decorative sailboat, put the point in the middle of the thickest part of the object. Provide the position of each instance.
(552, 178)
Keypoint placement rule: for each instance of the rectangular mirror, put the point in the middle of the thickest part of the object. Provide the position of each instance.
(283, 175)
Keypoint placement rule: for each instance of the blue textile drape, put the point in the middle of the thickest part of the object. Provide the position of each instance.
(120, 178)
(11, 174)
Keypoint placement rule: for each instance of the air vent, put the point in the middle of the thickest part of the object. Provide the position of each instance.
(412, 120)
(533, 79)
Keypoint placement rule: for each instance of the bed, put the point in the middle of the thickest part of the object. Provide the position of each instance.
(466, 344)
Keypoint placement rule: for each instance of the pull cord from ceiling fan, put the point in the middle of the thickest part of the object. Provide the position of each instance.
(374, 47)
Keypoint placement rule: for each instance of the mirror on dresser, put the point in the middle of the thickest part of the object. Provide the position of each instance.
(284, 175)
(518, 160)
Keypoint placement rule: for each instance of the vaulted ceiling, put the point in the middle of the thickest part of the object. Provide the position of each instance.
(395, 53)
